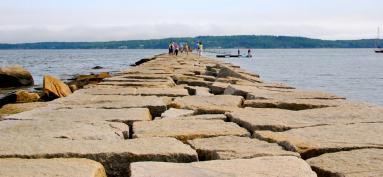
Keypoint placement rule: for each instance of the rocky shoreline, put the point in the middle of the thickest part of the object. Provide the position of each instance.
(188, 116)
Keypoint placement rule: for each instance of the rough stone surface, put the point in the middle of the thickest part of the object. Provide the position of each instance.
(50, 167)
(280, 120)
(156, 105)
(23, 96)
(199, 91)
(187, 129)
(79, 130)
(258, 93)
(355, 163)
(54, 87)
(233, 147)
(171, 92)
(10, 109)
(109, 91)
(292, 104)
(276, 166)
(173, 113)
(15, 76)
(202, 117)
(114, 155)
(209, 104)
(86, 114)
(313, 141)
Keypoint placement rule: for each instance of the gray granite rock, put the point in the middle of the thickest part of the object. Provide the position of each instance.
(50, 167)
(276, 166)
(234, 147)
(114, 155)
(355, 163)
(187, 129)
(313, 141)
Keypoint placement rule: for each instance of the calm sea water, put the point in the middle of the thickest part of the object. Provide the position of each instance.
(354, 73)
(66, 63)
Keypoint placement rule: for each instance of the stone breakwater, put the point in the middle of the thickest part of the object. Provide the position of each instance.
(195, 117)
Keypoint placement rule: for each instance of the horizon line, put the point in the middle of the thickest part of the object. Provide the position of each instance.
(165, 38)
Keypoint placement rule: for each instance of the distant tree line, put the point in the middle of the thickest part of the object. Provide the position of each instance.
(239, 41)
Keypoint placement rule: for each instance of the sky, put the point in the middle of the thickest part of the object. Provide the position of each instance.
(108, 20)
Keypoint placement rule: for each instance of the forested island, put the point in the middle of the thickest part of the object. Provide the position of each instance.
(239, 41)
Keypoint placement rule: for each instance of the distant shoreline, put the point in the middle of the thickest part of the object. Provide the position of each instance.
(211, 42)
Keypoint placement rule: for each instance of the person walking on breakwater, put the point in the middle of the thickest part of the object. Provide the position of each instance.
(186, 48)
(176, 49)
(171, 48)
(200, 48)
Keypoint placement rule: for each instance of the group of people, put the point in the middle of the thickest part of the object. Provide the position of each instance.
(175, 48)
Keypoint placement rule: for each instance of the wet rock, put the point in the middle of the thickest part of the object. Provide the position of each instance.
(63, 129)
(209, 104)
(173, 113)
(98, 67)
(186, 129)
(276, 166)
(355, 163)
(50, 167)
(15, 76)
(53, 87)
(281, 120)
(314, 141)
(114, 155)
(233, 147)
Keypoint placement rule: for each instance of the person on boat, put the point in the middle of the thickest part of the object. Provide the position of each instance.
(249, 53)
(200, 48)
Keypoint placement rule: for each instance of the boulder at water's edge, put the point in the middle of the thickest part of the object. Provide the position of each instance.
(15, 76)
(55, 87)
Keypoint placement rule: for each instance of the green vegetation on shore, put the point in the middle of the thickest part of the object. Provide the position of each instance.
(242, 41)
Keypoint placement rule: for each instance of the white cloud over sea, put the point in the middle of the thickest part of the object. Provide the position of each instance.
(105, 20)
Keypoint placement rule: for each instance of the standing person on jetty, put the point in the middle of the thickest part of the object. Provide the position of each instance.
(200, 48)
(239, 52)
(176, 49)
(171, 48)
(186, 48)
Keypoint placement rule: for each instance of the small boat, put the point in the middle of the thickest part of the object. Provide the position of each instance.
(379, 51)
(228, 56)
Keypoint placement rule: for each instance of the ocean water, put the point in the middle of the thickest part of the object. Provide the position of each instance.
(353, 73)
(356, 74)
(66, 63)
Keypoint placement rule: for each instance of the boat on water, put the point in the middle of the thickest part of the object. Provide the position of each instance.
(379, 49)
